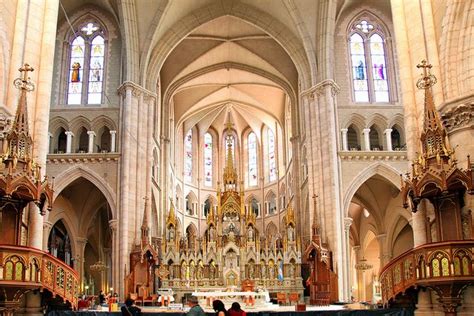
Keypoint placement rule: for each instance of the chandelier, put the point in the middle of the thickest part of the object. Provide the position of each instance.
(363, 265)
(99, 266)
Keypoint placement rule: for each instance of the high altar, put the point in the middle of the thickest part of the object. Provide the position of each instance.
(232, 252)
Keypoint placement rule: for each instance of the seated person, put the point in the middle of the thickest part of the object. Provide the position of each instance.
(129, 309)
(235, 310)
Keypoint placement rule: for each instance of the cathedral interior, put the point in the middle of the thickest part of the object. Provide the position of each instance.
(319, 148)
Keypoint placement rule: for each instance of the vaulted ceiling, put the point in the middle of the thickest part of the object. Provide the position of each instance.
(228, 67)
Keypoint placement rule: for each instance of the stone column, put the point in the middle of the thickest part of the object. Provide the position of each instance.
(69, 136)
(113, 223)
(467, 307)
(418, 224)
(35, 226)
(79, 260)
(345, 146)
(359, 274)
(384, 255)
(50, 138)
(91, 141)
(47, 226)
(112, 141)
(366, 132)
(347, 257)
(388, 139)
(424, 305)
(33, 304)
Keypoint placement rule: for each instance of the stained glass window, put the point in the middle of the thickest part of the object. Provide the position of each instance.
(86, 66)
(369, 66)
(75, 71)
(252, 153)
(208, 160)
(379, 68)
(271, 156)
(359, 70)
(96, 67)
(188, 156)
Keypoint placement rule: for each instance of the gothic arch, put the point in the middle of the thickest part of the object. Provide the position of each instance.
(70, 175)
(378, 168)
(378, 120)
(69, 228)
(260, 19)
(101, 121)
(78, 122)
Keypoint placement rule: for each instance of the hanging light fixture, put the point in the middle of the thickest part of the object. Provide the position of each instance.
(100, 265)
(363, 265)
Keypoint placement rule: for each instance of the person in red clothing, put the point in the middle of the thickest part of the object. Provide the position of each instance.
(235, 310)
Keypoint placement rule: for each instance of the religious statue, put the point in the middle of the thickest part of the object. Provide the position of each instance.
(292, 270)
(212, 270)
(171, 234)
(291, 233)
(183, 271)
(263, 271)
(271, 272)
(75, 77)
(212, 233)
(251, 271)
(200, 274)
(250, 233)
(192, 271)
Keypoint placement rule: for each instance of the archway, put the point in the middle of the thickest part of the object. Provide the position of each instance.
(88, 213)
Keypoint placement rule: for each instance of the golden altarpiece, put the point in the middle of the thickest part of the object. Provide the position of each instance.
(232, 252)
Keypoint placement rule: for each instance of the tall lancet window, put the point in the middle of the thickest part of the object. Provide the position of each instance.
(86, 65)
(208, 160)
(188, 156)
(252, 152)
(271, 156)
(369, 62)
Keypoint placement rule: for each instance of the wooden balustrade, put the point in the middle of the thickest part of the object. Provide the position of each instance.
(30, 268)
(428, 265)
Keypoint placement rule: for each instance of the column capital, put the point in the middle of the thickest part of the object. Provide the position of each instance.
(81, 240)
(113, 223)
(381, 236)
(356, 248)
(113, 132)
(344, 130)
(69, 133)
(47, 225)
(388, 131)
(91, 133)
(347, 223)
(50, 134)
(366, 130)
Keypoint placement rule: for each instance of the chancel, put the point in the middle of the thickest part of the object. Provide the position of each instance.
(285, 155)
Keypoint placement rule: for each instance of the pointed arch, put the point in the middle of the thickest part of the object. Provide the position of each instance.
(70, 175)
(378, 168)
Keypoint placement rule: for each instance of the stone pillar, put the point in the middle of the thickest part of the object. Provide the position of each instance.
(91, 141)
(79, 260)
(388, 139)
(113, 224)
(33, 304)
(384, 255)
(112, 141)
(366, 132)
(50, 138)
(69, 136)
(35, 226)
(47, 226)
(418, 224)
(467, 307)
(359, 275)
(347, 257)
(345, 146)
(424, 306)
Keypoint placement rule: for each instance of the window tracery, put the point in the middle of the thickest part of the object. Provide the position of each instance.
(188, 156)
(271, 156)
(86, 57)
(208, 160)
(368, 54)
(252, 159)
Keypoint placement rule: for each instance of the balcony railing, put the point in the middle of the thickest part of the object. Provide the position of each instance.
(428, 265)
(30, 268)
